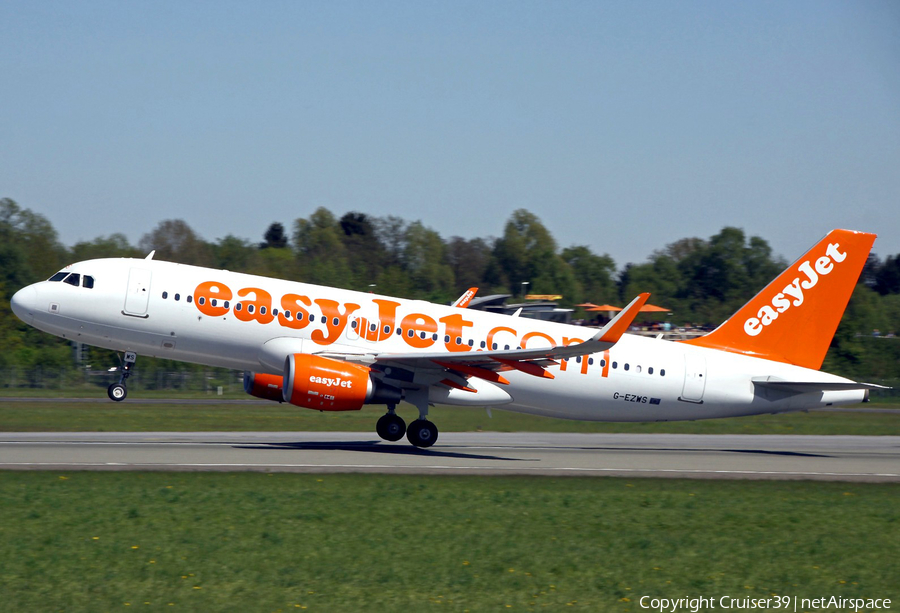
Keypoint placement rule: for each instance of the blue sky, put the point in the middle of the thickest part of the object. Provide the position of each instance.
(623, 125)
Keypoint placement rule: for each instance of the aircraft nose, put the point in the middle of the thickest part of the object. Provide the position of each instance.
(22, 303)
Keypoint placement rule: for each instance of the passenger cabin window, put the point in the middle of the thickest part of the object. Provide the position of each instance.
(58, 276)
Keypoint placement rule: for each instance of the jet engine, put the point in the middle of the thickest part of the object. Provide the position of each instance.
(324, 384)
(263, 385)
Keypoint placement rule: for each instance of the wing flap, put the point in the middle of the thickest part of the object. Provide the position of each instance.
(474, 371)
(531, 368)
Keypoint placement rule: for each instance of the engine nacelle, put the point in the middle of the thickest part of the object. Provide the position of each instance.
(314, 382)
(263, 385)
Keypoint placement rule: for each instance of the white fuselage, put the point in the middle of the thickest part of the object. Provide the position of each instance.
(153, 308)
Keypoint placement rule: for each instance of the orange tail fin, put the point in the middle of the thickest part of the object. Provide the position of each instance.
(794, 318)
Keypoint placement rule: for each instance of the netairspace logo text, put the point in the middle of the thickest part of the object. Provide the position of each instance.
(785, 603)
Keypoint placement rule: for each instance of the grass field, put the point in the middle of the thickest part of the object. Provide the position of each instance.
(256, 542)
(132, 416)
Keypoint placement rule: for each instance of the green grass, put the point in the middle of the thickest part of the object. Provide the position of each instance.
(93, 391)
(132, 416)
(255, 542)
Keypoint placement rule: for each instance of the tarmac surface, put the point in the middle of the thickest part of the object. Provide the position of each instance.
(831, 458)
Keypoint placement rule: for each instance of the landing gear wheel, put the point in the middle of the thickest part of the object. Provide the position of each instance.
(117, 392)
(422, 433)
(390, 427)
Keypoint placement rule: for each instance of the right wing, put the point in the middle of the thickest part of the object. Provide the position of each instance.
(487, 364)
(477, 372)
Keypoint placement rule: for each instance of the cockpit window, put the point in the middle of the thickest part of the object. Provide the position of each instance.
(73, 278)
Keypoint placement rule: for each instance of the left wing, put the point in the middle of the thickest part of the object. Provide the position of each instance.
(413, 370)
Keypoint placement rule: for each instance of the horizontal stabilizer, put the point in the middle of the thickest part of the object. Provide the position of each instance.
(803, 387)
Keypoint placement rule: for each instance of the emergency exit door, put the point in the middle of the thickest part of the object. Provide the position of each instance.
(694, 378)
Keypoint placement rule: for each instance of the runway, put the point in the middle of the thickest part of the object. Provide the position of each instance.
(832, 458)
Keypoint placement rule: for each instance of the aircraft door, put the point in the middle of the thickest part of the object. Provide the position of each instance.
(694, 378)
(353, 329)
(137, 296)
(372, 331)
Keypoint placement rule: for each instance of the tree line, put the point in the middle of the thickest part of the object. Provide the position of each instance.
(703, 281)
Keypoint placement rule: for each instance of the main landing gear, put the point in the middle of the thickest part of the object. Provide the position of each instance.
(118, 391)
(421, 432)
(390, 426)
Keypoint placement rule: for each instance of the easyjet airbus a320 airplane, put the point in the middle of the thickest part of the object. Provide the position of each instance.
(335, 350)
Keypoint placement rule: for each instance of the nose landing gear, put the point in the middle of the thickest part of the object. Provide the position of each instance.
(118, 391)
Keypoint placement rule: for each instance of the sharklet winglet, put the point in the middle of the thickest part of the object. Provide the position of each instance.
(613, 331)
(463, 301)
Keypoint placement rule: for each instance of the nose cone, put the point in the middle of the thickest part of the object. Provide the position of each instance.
(23, 304)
